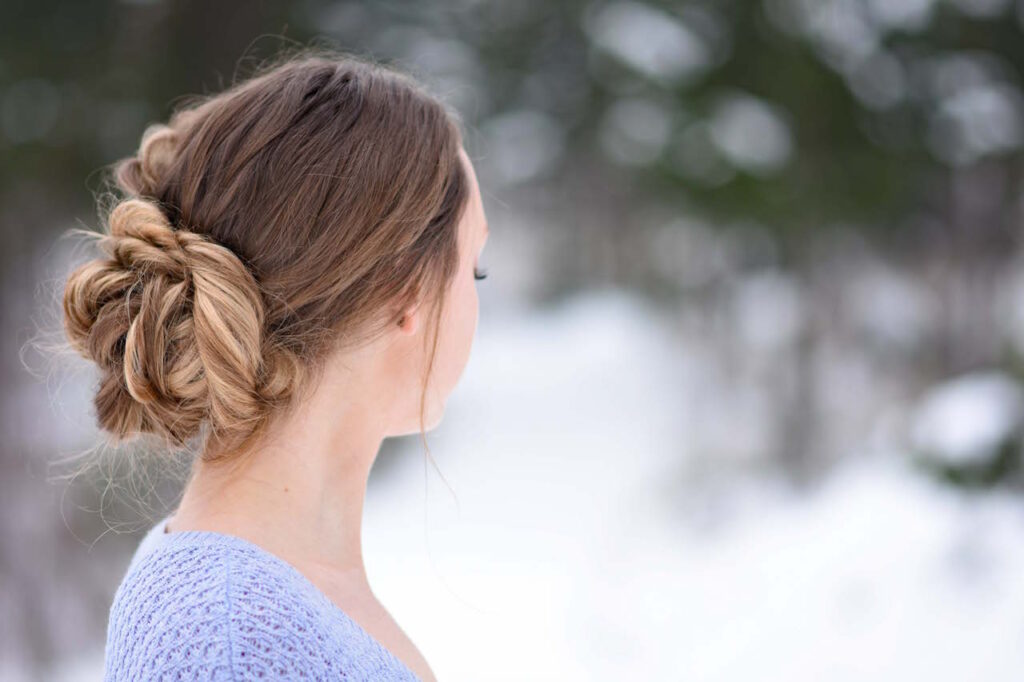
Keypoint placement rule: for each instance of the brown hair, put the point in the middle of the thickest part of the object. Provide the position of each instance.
(260, 228)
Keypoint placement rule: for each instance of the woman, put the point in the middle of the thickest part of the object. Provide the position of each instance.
(288, 278)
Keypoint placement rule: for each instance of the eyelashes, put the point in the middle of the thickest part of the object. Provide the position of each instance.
(479, 274)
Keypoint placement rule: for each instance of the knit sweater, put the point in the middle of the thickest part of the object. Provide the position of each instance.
(201, 605)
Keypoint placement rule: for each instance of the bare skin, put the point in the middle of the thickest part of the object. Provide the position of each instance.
(300, 494)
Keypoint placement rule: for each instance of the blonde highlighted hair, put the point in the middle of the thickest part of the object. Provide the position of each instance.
(260, 228)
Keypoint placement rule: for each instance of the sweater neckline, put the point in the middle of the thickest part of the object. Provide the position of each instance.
(165, 535)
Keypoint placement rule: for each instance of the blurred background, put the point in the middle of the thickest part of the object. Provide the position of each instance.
(746, 397)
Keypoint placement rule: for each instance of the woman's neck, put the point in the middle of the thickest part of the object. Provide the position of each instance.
(299, 495)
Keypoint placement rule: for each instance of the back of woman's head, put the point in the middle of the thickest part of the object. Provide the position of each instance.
(293, 214)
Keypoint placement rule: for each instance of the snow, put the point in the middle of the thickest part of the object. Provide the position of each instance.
(965, 420)
(574, 548)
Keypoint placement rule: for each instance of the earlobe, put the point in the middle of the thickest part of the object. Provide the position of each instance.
(407, 320)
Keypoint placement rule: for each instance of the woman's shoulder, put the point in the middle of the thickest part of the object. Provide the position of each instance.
(206, 607)
(187, 569)
(202, 605)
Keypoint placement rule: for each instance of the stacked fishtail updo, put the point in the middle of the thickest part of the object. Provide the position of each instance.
(259, 229)
(176, 324)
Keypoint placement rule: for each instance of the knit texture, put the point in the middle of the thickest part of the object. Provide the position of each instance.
(201, 605)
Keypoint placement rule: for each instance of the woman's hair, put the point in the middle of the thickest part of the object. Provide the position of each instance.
(296, 213)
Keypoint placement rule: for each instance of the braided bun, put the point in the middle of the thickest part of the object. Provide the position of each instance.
(175, 323)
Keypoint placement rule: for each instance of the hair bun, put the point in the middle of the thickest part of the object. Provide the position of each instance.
(175, 323)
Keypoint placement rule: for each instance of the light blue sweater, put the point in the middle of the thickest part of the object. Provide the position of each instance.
(200, 605)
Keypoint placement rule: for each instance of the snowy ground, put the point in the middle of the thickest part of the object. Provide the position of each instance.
(576, 548)
(573, 550)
